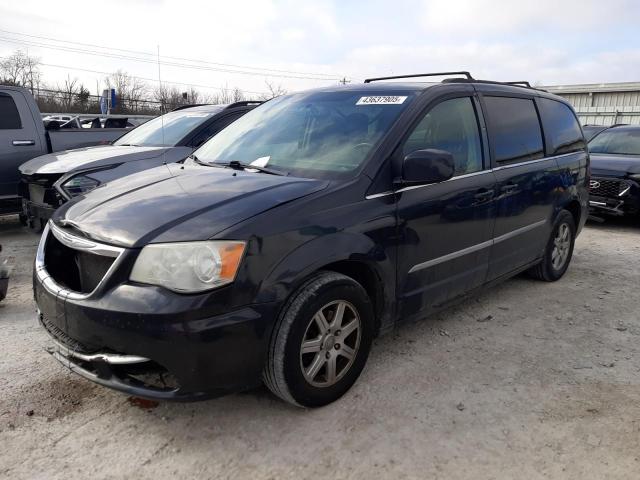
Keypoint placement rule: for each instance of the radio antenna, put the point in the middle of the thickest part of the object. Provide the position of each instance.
(161, 107)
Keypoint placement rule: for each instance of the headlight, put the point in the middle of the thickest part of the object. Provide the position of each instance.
(190, 266)
(635, 176)
(79, 185)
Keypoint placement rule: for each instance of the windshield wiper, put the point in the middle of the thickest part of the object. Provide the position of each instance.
(237, 165)
(206, 164)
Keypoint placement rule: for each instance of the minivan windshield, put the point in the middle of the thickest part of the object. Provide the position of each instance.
(617, 141)
(313, 134)
(176, 126)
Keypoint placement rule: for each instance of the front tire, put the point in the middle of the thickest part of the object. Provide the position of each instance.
(321, 341)
(559, 250)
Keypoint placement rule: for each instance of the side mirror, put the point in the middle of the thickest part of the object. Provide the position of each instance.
(427, 166)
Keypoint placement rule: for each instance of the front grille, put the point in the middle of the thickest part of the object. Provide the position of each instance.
(604, 187)
(74, 269)
(62, 337)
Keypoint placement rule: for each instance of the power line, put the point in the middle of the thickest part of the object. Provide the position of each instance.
(143, 60)
(155, 80)
(139, 52)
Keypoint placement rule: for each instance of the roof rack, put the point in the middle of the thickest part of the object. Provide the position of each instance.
(243, 103)
(437, 74)
(189, 105)
(521, 83)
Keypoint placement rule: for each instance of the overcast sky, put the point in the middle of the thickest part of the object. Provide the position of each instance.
(544, 41)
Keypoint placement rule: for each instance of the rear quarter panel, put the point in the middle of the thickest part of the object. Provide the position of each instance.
(574, 183)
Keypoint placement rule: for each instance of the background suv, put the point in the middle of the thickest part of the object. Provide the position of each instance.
(50, 180)
(615, 168)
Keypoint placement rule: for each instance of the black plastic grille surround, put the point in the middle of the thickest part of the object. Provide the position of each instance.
(62, 337)
(74, 269)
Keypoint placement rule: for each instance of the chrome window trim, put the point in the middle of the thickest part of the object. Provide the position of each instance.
(76, 243)
(521, 164)
(413, 187)
(496, 169)
(476, 247)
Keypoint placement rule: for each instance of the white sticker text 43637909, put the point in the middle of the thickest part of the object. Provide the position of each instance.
(382, 100)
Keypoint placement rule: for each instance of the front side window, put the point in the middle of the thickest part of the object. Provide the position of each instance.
(514, 129)
(167, 130)
(617, 141)
(561, 127)
(451, 126)
(310, 134)
(9, 116)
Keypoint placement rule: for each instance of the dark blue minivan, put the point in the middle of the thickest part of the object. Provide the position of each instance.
(287, 242)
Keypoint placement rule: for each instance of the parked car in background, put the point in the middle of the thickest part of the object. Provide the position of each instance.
(290, 239)
(51, 180)
(23, 136)
(615, 170)
(591, 131)
(57, 118)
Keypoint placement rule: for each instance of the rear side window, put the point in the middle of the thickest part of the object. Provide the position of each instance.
(214, 127)
(514, 129)
(9, 116)
(561, 127)
(452, 126)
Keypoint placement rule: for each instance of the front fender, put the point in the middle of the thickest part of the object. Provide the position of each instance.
(319, 252)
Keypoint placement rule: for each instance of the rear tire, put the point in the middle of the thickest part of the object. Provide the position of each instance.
(321, 341)
(559, 250)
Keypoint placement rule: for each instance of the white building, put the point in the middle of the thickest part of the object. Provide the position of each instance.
(602, 103)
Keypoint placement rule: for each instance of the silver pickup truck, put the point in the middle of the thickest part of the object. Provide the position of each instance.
(23, 137)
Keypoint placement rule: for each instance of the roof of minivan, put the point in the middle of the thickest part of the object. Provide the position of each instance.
(416, 87)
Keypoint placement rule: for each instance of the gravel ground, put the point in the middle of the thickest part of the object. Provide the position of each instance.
(527, 380)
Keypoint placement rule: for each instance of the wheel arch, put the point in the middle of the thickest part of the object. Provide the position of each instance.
(354, 255)
(573, 207)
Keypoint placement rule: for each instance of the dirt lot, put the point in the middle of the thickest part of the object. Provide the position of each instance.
(529, 380)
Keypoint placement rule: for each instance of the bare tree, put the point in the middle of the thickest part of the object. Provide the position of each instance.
(68, 91)
(237, 94)
(168, 97)
(130, 90)
(274, 91)
(20, 69)
(134, 94)
(194, 96)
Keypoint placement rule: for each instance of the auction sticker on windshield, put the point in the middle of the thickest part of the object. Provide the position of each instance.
(381, 100)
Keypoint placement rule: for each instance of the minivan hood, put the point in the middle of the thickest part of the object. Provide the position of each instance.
(615, 165)
(176, 202)
(89, 157)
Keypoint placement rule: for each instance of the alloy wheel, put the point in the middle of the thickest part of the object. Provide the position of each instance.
(561, 246)
(330, 343)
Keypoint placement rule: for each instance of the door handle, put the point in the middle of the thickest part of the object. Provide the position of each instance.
(23, 143)
(509, 188)
(483, 197)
